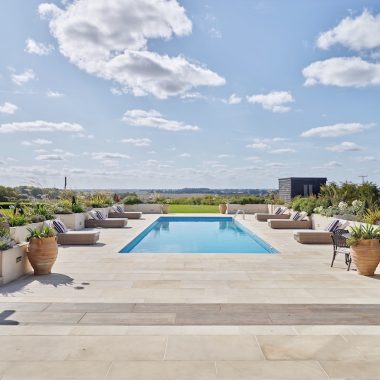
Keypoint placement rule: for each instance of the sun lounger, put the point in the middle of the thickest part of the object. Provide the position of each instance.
(289, 224)
(125, 214)
(313, 237)
(106, 223)
(319, 236)
(297, 220)
(78, 237)
(279, 213)
(71, 237)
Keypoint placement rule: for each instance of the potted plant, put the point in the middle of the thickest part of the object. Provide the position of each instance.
(223, 206)
(42, 249)
(165, 206)
(364, 242)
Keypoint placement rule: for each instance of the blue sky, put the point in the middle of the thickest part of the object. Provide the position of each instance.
(163, 94)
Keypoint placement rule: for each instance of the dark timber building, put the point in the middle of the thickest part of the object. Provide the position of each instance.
(304, 186)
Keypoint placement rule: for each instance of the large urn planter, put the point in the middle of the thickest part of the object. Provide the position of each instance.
(366, 256)
(164, 209)
(42, 253)
(223, 208)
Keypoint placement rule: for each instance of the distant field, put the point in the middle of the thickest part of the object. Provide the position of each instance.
(187, 209)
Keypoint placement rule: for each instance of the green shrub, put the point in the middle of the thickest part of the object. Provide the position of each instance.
(306, 204)
(132, 200)
(247, 199)
(41, 211)
(5, 240)
(372, 217)
(99, 200)
(66, 206)
(15, 220)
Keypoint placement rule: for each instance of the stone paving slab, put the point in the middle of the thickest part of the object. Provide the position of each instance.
(161, 314)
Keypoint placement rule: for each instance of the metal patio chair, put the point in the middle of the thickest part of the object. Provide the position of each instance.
(339, 238)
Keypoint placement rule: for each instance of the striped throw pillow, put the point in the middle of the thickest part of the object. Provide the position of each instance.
(100, 215)
(278, 210)
(301, 215)
(119, 208)
(59, 226)
(295, 215)
(333, 225)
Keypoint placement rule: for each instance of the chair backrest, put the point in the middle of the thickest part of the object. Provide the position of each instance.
(339, 239)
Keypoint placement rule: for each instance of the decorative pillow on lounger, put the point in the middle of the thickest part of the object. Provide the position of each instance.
(301, 216)
(278, 211)
(59, 226)
(294, 215)
(96, 214)
(334, 225)
(118, 209)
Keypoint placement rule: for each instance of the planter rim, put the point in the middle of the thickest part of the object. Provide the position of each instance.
(43, 238)
(369, 242)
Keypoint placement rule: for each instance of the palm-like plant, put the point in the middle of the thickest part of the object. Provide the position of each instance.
(363, 232)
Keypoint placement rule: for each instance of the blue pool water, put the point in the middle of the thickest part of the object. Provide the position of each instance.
(197, 235)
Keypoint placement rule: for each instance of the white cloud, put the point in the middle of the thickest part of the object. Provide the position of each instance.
(345, 146)
(138, 142)
(361, 32)
(54, 94)
(185, 155)
(108, 156)
(110, 40)
(215, 33)
(34, 47)
(342, 72)
(223, 155)
(83, 136)
(340, 129)
(276, 101)
(8, 108)
(39, 126)
(233, 99)
(276, 165)
(36, 142)
(116, 91)
(49, 157)
(258, 145)
(282, 150)
(193, 96)
(333, 164)
(253, 158)
(23, 77)
(153, 119)
(367, 159)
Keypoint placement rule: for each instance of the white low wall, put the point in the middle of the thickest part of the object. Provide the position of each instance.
(319, 222)
(20, 233)
(145, 208)
(14, 263)
(73, 221)
(248, 208)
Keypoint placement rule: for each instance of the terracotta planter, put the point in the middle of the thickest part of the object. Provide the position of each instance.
(222, 208)
(42, 254)
(164, 209)
(366, 256)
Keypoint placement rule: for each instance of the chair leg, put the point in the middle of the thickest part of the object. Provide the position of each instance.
(349, 263)
(333, 259)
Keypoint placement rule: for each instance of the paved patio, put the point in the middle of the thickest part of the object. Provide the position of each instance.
(105, 315)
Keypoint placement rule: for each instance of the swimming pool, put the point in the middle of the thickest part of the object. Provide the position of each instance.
(177, 234)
